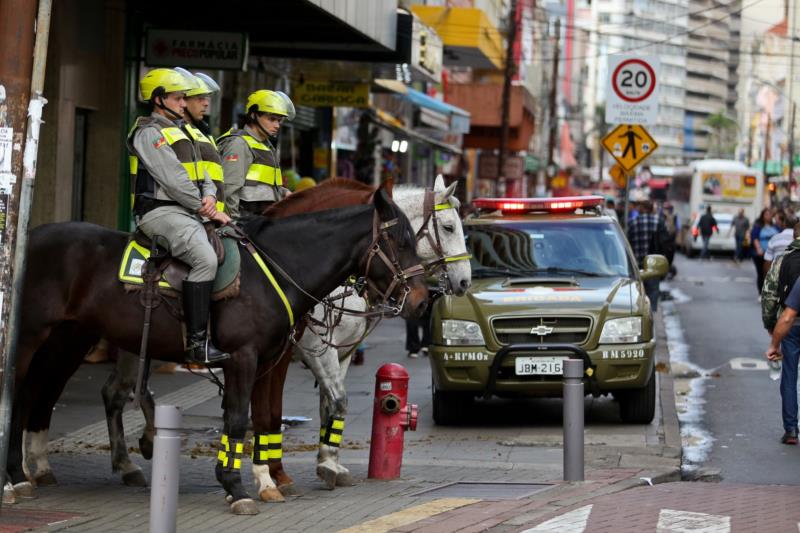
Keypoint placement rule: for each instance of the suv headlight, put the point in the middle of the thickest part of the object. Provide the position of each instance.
(461, 333)
(622, 330)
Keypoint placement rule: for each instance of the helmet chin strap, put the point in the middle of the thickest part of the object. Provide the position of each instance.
(175, 115)
(260, 127)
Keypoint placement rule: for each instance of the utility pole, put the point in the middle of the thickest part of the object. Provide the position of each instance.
(553, 122)
(766, 148)
(791, 146)
(508, 74)
(24, 28)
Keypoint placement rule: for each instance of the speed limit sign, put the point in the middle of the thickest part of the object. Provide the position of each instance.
(632, 95)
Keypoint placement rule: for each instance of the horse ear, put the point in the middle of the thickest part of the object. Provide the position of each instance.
(383, 205)
(438, 184)
(388, 186)
(444, 195)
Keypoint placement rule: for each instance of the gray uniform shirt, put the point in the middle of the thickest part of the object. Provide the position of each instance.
(236, 161)
(167, 170)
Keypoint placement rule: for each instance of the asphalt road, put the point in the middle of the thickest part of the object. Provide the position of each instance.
(717, 309)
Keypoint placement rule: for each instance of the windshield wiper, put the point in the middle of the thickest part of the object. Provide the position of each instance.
(496, 272)
(560, 270)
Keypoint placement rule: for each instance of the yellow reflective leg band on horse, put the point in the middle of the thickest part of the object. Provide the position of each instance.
(331, 434)
(274, 448)
(260, 448)
(231, 457)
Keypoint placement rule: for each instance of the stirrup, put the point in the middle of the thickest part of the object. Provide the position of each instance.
(209, 355)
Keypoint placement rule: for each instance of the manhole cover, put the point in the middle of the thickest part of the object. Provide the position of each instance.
(485, 491)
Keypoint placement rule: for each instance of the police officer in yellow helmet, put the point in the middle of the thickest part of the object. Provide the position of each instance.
(172, 198)
(198, 100)
(250, 161)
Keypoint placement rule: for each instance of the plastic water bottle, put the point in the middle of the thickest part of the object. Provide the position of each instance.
(775, 370)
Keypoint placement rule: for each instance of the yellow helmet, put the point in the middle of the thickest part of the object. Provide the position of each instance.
(161, 81)
(264, 101)
(202, 85)
(304, 183)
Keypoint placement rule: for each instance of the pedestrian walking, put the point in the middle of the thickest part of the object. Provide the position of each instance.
(762, 232)
(645, 234)
(776, 246)
(740, 227)
(414, 344)
(785, 342)
(707, 226)
(672, 226)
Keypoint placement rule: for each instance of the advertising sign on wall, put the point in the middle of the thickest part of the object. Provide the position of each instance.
(196, 49)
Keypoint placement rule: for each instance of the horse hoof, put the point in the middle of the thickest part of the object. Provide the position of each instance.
(46, 479)
(289, 489)
(344, 479)
(9, 495)
(134, 478)
(245, 506)
(146, 447)
(25, 490)
(271, 494)
(328, 476)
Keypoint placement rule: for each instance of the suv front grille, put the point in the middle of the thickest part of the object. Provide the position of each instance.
(542, 329)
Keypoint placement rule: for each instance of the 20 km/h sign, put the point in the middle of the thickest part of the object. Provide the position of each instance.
(632, 93)
(629, 144)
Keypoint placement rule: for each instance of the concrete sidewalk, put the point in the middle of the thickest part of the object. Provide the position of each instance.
(506, 444)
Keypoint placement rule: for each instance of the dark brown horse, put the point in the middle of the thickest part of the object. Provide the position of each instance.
(72, 280)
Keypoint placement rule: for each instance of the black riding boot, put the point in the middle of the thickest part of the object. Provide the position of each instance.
(196, 300)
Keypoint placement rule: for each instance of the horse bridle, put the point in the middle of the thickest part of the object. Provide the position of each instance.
(430, 208)
(400, 276)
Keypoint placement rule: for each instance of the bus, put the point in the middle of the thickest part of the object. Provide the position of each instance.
(726, 186)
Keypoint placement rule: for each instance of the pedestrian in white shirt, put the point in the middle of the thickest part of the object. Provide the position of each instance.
(778, 243)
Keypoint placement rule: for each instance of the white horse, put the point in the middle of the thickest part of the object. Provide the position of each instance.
(441, 243)
(327, 352)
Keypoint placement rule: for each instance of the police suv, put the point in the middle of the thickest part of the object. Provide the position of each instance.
(552, 278)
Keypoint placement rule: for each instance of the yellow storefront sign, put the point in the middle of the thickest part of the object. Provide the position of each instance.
(331, 94)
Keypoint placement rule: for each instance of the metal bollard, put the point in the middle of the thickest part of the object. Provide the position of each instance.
(166, 470)
(573, 420)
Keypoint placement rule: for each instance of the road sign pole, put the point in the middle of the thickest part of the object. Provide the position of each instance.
(627, 201)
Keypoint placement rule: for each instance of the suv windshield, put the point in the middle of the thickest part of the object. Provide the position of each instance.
(547, 248)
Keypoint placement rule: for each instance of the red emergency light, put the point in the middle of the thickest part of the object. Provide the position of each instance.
(551, 205)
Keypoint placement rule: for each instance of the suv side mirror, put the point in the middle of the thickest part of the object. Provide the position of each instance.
(655, 266)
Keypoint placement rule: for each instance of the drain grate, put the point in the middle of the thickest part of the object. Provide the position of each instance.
(485, 491)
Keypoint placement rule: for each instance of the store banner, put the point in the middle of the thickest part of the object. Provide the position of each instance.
(331, 94)
(196, 49)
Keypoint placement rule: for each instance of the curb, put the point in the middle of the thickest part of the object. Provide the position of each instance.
(666, 390)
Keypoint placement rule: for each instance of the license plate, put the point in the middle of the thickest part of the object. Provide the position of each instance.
(539, 366)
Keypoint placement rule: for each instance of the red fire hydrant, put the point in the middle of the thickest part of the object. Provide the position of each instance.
(392, 415)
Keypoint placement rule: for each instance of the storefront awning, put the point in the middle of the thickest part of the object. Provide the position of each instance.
(470, 39)
(459, 118)
(386, 120)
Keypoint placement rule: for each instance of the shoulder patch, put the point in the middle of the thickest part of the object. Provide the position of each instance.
(232, 157)
(158, 143)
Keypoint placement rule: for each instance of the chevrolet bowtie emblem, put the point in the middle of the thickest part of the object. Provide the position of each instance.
(541, 330)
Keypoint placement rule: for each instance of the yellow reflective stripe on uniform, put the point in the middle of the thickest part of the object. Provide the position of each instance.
(173, 135)
(264, 174)
(338, 423)
(275, 286)
(133, 163)
(253, 143)
(191, 169)
(220, 206)
(213, 169)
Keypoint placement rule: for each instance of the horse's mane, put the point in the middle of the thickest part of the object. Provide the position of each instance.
(328, 194)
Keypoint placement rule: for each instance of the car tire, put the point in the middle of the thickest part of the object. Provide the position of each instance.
(449, 408)
(638, 406)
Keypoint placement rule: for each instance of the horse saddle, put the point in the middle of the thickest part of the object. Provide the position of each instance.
(174, 271)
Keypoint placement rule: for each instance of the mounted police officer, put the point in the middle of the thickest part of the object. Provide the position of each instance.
(250, 161)
(172, 195)
(198, 100)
